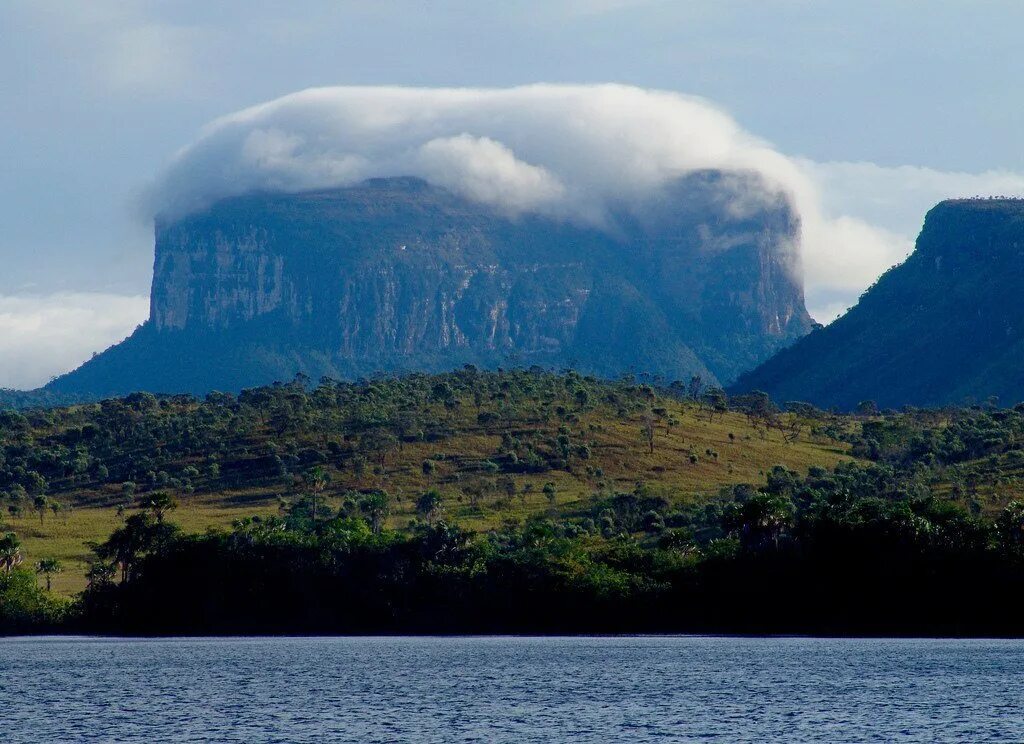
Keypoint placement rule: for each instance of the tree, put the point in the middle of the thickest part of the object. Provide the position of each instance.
(376, 506)
(100, 573)
(716, 400)
(378, 442)
(158, 503)
(867, 408)
(358, 465)
(48, 567)
(41, 504)
(428, 505)
(757, 406)
(316, 481)
(35, 483)
(648, 430)
(139, 536)
(801, 415)
(10, 552)
(761, 520)
(1010, 527)
(550, 493)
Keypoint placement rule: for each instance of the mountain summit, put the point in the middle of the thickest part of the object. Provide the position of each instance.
(397, 275)
(945, 326)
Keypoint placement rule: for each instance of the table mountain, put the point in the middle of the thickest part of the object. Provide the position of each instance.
(945, 326)
(396, 275)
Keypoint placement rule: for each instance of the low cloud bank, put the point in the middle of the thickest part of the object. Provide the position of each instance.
(568, 151)
(46, 335)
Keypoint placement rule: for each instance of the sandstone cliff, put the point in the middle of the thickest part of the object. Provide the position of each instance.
(396, 275)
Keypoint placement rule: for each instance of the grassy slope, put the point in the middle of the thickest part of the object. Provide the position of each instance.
(618, 448)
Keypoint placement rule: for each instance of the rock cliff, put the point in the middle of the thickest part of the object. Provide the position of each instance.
(396, 275)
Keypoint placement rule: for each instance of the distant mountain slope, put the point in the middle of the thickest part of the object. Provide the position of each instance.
(944, 326)
(396, 275)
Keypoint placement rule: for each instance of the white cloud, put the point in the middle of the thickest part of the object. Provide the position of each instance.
(570, 151)
(566, 150)
(582, 146)
(868, 217)
(897, 198)
(488, 171)
(46, 335)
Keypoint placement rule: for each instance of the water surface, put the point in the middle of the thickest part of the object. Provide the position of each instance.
(634, 689)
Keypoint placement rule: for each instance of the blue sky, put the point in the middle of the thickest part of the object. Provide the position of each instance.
(892, 105)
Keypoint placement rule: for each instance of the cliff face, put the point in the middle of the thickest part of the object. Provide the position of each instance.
(945, 326)
(395, 275)
(391, 270)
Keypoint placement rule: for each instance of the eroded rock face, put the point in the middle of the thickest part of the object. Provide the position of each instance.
(396, 275)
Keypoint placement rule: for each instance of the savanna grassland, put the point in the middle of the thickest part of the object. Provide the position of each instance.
(510, 501)
(490, 444)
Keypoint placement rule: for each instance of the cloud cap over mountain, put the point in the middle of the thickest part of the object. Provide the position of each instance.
(558, 149)
(568, 151)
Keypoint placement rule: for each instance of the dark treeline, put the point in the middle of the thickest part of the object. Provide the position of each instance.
(843, 552)
(923, 535)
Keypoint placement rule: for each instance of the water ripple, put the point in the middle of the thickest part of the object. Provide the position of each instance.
(637, 689)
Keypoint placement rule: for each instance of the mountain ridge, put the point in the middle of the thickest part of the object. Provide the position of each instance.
(942, 327)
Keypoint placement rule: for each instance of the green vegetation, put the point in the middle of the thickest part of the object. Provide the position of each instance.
(494, 446)
(513, 501)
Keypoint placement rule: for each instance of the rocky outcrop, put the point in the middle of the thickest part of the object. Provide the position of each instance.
(396, 275)
(946, 326)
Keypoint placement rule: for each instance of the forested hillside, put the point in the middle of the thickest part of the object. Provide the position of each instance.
(495, 446)
(520, 500)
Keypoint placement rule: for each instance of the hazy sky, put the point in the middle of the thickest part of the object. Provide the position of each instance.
(893, 105)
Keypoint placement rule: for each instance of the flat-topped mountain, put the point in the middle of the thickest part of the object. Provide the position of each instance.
(945, 326)
(397, 275)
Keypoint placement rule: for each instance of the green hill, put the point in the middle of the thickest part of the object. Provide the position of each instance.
(496, 446)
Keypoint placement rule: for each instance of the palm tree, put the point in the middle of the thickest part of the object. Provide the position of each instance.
(377, 507)
(41, 504)
(10, 551)
(48, 567)
(100, 573)
(126, 545)
(316, 480)
(158, 503)
(428, 505)
(761, 520)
